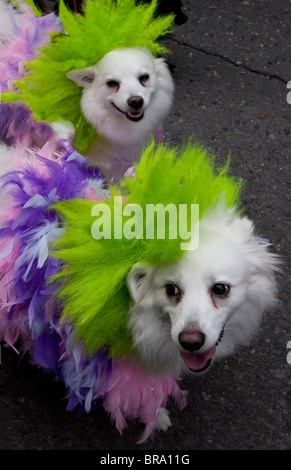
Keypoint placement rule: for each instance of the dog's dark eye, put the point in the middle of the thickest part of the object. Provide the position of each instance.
(172, 290)
(112, 83)
(220, 289)
(144, 78)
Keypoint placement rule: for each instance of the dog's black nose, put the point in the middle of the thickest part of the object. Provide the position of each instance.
(191, 341)
(135, 102)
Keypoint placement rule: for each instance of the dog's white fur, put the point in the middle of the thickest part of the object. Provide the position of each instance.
(228, 253)
(108, 88)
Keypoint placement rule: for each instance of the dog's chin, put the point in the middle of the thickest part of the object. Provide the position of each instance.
(133, 116)
(198, 362)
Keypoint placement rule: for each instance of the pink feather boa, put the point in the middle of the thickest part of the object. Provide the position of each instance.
(134, 394)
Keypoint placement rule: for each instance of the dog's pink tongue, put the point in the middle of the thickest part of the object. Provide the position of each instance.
(196, 361)
(135, 113)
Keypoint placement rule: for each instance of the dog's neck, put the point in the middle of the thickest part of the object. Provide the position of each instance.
(112, 159)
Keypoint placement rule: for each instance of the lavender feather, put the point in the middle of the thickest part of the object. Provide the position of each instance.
(17, 124)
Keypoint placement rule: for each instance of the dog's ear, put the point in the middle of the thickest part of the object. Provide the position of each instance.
(137, 281)
(83, 77)
(162, 68)
(164, 77)
(260, 258)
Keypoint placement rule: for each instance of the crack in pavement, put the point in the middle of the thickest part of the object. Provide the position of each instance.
(238, 64)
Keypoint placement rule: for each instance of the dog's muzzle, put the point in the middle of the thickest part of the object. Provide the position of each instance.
(200, 362)
(135, 104)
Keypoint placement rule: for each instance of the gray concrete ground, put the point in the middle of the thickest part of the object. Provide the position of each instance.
(233, 64)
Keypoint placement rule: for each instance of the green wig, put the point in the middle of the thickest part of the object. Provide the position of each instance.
(104, 25)
(92, 282)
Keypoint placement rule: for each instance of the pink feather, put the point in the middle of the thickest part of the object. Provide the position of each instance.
(133, 394)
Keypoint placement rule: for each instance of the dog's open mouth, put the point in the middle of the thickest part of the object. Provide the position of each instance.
(132, 115)
(198, 362)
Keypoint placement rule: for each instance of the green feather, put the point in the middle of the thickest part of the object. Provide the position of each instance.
(93, 290)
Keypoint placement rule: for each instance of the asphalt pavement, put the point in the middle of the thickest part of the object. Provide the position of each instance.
(232, 65)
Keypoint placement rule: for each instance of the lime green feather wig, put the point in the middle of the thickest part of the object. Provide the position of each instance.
(104, 25)
(93, 292)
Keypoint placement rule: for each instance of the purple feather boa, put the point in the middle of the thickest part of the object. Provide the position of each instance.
(26, 235)
(31, 34)
(29, 312)
(18, 126)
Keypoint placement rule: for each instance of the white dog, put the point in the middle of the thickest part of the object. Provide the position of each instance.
(126, 96)
(199, 309)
